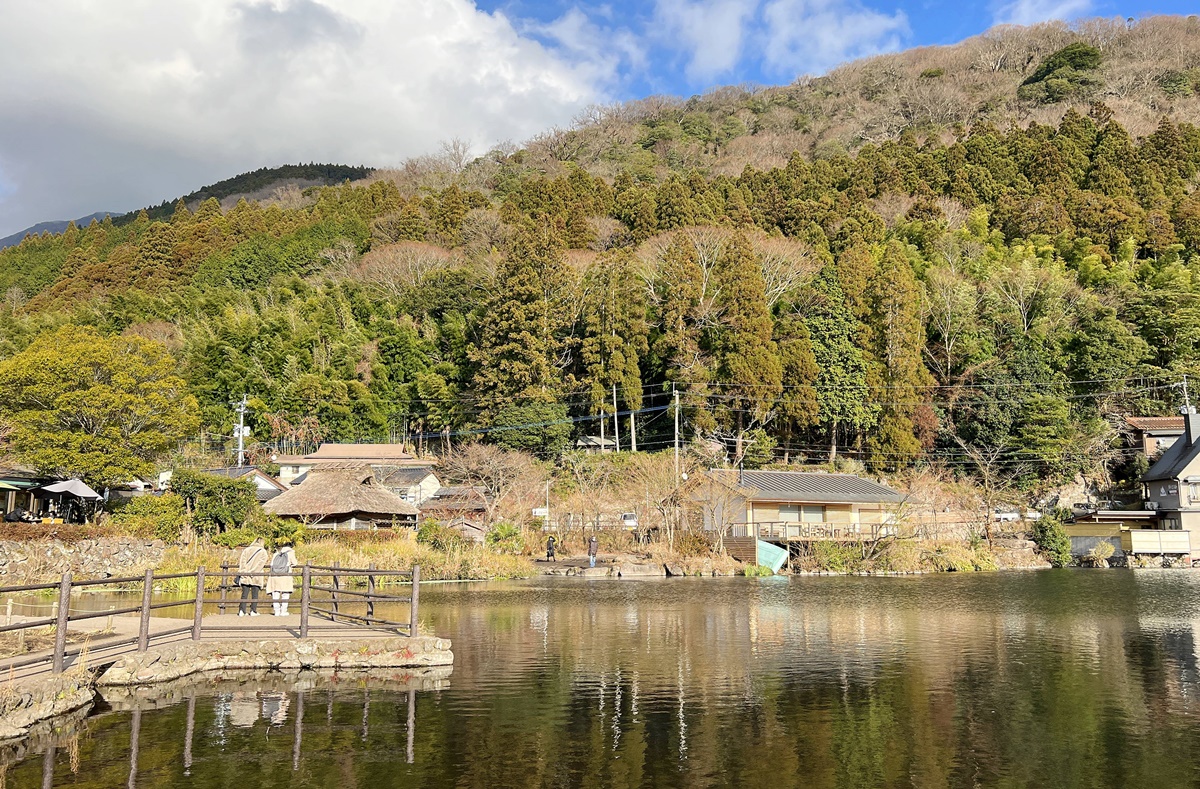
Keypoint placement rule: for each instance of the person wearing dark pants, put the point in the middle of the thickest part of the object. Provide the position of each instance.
(250, 568)
(593, 548)
(550, 545)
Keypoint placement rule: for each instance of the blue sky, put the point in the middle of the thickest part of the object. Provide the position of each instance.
(685, 46)
(117, 105)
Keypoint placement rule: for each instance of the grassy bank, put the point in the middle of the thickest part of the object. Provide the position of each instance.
(359, 550)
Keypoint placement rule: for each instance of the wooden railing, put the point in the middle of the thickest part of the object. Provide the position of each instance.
(331, 600)
(783, 531)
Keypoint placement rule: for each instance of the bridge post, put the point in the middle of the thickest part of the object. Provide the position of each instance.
(64, 612)
(370, 593)
(198, 614)
(144, 626)
(224, 586)
(305, 599)
(337, 584)
(416, 591)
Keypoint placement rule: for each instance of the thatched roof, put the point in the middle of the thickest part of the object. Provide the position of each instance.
(332, 492)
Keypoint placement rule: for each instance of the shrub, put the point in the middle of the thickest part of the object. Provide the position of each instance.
(757, 571)
(442, 538)
(693, 543)
(1075, 57)
(1099, 555)
(899, 557)
(235, 538)
(152, 516)
(836, 557)
(933, 73)
(952, 557)
(1052, 540)
(506, 537)
(217, 503)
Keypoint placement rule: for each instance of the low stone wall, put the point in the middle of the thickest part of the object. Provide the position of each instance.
(173, 661)
(25, 704)
(42, 561)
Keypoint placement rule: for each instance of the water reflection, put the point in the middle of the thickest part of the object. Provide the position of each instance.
(1019, 679)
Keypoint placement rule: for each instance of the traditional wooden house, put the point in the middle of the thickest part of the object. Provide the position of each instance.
(343, 499)
(784, 506)
(391, 456)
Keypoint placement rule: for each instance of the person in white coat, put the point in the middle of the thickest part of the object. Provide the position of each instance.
(279, 583)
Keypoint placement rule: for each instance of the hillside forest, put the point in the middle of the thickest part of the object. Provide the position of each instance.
(990, 295)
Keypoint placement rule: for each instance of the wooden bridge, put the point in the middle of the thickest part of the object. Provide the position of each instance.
(334, 602)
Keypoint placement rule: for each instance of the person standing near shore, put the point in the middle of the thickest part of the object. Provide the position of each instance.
(252, 562)
(593, 548)
(280, 585)
(550, 548)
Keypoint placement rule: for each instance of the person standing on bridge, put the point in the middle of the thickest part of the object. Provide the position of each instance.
(250, 567)
(593, 548)
(280, 585)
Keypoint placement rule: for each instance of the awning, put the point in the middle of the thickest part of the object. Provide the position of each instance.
(74, 487)
(6, 486)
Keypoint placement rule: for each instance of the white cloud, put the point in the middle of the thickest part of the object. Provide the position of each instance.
(787, 37)
(1028, 12)
(809, 36)
(119, 104)
(709, 32)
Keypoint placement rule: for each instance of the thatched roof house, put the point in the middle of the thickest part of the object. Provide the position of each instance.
(342, 499)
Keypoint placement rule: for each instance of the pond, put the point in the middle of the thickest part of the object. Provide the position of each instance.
(1054, 678)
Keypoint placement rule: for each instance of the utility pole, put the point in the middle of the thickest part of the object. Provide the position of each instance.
(241, 432)
(675, 393)
(633, 430)
(616, 420)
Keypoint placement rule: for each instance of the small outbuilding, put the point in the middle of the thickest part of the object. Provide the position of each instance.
(343, 499)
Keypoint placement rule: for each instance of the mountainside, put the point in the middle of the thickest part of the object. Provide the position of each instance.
(50, 227)
(818, 270)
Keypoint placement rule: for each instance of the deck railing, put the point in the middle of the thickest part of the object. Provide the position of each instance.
(327, 599)
(784, 531)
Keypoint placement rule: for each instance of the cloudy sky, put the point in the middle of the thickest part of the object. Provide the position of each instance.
(115, 105)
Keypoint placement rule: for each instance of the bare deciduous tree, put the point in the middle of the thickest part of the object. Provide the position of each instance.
(395, 269)
(508, 477)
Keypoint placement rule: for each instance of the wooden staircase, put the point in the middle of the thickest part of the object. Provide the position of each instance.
(744, 549)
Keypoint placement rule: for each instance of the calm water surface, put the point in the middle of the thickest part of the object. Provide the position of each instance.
(1044, 679)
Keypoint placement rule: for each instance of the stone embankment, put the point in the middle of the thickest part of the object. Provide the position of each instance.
(27, 703)
(644, 569)
(39, 561)
(173, 661)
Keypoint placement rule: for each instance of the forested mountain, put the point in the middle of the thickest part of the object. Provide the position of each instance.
(815, 269)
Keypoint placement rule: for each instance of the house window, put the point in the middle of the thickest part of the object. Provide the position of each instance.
(789, 513)
(812, 513)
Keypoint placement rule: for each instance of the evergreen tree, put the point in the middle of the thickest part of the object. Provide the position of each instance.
(747, 358)
(522, 331)
(614, 332)
(843, 398)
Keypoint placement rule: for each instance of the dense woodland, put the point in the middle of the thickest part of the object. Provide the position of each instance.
(988, 296)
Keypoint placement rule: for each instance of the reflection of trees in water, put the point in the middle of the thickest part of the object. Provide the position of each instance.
(697, 685)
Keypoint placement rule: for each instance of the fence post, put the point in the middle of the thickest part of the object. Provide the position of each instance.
(305, 598)
(64, 612)
(337, 584)
(144, 626)
(370, 593)
(416, 592)
(224, 587)
(198, 614)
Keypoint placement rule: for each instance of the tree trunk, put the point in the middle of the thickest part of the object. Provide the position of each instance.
(833, 443)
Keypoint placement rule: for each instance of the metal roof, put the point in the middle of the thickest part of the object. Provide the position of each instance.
(1156, 422)
(1175, 461)
(809, 487)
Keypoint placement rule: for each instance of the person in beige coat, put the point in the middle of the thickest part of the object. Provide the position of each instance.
(279, 584)
(252, 561)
